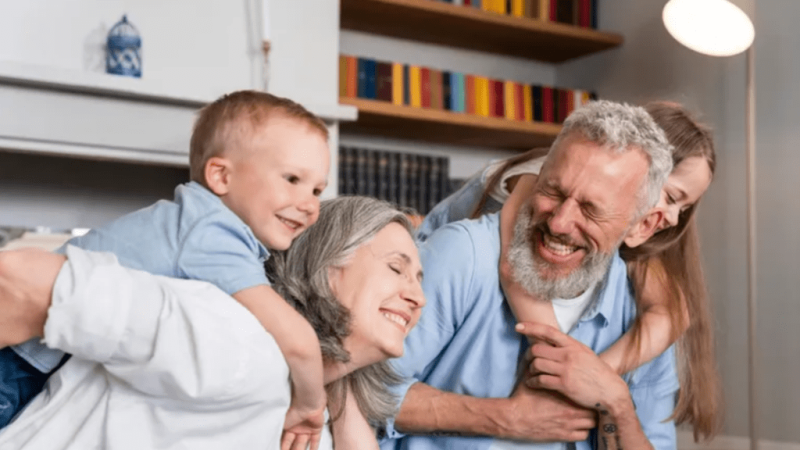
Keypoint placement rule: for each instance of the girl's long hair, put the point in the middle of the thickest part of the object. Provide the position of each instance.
(672, 256)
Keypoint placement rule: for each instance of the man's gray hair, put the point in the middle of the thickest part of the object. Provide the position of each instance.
(620, 126)
(300, 275)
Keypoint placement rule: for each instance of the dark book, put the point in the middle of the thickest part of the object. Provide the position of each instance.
(447, 91)
(467, 2)
(499, 98)
(553, 10)
(547, 105)
(425, 86)
(585, 13)
(361, 171)
(423, 172)
(406, 86)
(433, 183)
(536, 93)
(519, 99)
(413, 182)
(372, 82)
(443, 178)
(592, 95)
(393, 177)
(383, 74)
(382, 175)
(566, 11)
(557, 113)
(371, 174)
(404, 180)
(347, 170)
(362, 78)
(594, 14)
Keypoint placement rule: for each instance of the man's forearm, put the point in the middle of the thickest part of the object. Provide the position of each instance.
(427, 410)
(619, 428)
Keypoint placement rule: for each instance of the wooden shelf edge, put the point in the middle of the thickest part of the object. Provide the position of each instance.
(492, 31)
(383, 118)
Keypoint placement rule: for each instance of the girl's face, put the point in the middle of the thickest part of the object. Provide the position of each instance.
(688, 182)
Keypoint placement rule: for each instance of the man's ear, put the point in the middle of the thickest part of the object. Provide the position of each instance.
(644, 229)
(218, 172)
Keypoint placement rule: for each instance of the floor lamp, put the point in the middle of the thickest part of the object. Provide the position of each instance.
(720, 28)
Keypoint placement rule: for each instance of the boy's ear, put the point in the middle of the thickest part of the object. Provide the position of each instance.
(218, 173)
(644, 229)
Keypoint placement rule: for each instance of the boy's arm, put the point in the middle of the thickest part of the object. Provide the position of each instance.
(297, 340)
(656, 326)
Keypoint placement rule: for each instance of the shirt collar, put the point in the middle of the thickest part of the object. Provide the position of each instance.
(605, 297)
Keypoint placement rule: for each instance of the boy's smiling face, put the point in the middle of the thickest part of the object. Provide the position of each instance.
(273, 181)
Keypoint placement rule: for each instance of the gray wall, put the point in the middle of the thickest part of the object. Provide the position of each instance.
(651, 65)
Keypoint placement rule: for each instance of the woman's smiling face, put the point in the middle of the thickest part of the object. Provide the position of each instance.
(381, 286)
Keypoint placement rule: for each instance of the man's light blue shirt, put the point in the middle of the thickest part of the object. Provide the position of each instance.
(194, 237)
(465, 340)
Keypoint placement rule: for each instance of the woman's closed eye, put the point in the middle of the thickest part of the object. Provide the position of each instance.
(395, 268)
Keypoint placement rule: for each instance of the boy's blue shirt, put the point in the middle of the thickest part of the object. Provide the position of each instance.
(195, 236)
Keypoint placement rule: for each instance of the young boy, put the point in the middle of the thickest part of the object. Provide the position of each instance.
(258, 164)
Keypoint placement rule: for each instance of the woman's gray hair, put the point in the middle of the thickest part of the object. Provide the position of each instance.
(300, 275)
(620, 126)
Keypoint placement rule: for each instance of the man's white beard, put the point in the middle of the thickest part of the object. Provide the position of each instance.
(526, 268)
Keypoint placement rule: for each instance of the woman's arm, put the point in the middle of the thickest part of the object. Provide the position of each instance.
(26, 286)
(351, 430)
(657, 327)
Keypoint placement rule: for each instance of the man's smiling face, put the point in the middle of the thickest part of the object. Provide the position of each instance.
(584, 202)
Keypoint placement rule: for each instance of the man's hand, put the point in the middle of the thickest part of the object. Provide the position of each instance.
(562, 364)
(26, 287)
(544, 416)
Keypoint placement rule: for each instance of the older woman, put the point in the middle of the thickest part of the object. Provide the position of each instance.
(177, 364)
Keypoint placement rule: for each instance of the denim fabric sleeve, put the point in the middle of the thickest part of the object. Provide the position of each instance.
(654, 395)
(223, 253)
(448, 258)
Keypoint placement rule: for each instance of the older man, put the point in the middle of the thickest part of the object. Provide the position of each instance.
(463, 361)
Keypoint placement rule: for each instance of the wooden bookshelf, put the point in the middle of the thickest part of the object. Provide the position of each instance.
(446, 127)
(471, 28)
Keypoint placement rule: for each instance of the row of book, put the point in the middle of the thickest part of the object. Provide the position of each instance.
(582, 13)
(423, 87)
(411, 181)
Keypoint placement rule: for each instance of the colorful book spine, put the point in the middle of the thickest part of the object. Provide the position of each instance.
(352, 77)
(372, 79)
(527, 101)
(547, 105)
(585, 13)
(406, 85)
(470, 95)
(436, 89)
(383, 76)
(519, 102)
(425, 86)
(553, 13)
(398, 84)
(415, 85)
(544, 10)
(461, 105)
(362, 78)
(342, 76)
(498, 99)
(594, 14)
(518, 8)
(482, 96)
(509, 98)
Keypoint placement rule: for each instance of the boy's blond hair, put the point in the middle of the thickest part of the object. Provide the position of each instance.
(222, 125)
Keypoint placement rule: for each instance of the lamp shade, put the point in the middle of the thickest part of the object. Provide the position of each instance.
(710, 27)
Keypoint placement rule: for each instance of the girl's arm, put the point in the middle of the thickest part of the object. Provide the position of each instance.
(655, 328)
(525, 307)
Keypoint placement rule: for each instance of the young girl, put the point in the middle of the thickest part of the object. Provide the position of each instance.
(665, 270)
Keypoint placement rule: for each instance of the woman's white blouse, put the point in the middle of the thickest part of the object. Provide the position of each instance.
(157, 363)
